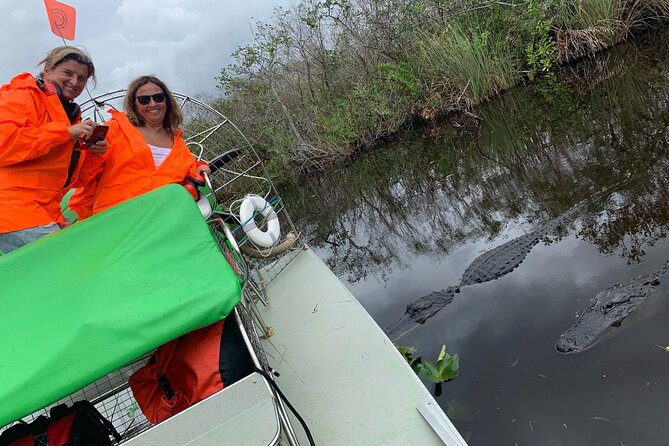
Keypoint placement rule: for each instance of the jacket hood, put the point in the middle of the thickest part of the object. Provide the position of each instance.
(23, 80)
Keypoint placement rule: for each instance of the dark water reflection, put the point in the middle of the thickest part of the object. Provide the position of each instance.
(408, 219)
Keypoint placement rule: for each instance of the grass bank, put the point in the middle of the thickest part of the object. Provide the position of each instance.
(327, 79)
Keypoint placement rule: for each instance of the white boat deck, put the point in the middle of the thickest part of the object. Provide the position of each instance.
(340, 371)
(242, 415)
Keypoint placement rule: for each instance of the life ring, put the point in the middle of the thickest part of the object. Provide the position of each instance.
(275, 250)
(251, 205)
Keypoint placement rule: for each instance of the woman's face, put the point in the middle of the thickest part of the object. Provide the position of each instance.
(153, 110)
(70, 75)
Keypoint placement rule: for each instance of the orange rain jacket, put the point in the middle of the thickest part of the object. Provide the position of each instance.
(35, 153)
(129, 169)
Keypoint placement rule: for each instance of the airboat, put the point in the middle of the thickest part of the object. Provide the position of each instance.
(103, 293)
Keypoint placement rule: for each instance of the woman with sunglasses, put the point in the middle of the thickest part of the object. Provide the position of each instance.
(146, 150)
(40, 157)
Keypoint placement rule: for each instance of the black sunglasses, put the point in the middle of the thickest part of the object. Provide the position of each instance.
(157, 98)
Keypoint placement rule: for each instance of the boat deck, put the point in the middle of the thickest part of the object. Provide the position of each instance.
(338, 368)
(243, 414)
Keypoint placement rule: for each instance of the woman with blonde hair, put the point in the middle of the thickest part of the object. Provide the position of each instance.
(40, 153)
(146, 150)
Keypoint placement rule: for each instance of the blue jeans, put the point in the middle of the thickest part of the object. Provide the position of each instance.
(9, 241)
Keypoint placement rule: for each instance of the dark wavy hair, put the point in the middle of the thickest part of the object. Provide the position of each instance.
(173, 116)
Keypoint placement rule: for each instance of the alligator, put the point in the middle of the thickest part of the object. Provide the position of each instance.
(504, 258)
(501, 260)
(490, 265)
(608, 309)
(422, 309)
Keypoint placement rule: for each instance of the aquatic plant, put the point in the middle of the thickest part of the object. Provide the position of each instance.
(445, 369)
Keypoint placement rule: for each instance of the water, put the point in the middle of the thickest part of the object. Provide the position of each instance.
(407, 220)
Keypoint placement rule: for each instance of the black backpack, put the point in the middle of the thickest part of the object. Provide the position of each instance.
(78, 425)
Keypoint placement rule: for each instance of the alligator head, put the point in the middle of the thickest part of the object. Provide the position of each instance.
(422, 309)
(426, 307)
(606, 310)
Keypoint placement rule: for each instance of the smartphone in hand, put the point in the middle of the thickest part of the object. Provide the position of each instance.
(98, 134)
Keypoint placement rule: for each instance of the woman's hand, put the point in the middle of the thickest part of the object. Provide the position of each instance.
(203, 168)
(98, 148)
(81, 130)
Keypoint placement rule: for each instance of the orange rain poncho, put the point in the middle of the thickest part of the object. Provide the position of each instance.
(129, 169)
(35, 153)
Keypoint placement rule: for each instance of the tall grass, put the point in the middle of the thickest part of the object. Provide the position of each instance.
(592, 13)
(600, 24)
(468, 60)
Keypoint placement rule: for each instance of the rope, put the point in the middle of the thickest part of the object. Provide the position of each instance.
(285, 400)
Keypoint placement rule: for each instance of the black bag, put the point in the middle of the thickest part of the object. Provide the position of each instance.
(79, 425)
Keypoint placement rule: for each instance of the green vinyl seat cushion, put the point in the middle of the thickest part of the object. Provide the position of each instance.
(92, 297)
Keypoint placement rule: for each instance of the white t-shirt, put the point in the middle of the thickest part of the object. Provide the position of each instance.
(159, 154)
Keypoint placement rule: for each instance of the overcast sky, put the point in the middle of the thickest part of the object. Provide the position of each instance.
(183, 42)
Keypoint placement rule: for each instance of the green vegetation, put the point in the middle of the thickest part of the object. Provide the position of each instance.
(445, 369)
(332, 77)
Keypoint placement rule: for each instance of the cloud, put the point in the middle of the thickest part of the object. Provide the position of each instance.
(183, 42)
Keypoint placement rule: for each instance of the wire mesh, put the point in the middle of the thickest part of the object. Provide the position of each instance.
(112, 396)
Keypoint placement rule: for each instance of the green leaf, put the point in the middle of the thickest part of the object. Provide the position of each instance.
(449, 368)
(430, 371)
(405, 351)
(416, 365)
(446, 368)
(442, 353)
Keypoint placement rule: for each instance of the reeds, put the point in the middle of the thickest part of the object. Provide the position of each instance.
(467, 60)
(600, 24)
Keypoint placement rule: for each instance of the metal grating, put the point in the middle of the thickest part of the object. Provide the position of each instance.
(113, 398)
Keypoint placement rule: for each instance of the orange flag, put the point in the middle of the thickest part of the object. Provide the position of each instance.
(62, 18)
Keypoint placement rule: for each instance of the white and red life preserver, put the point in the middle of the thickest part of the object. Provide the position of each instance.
(250, 206)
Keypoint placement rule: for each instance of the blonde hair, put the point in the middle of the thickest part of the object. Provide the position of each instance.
(60, 54)
(173, 116)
